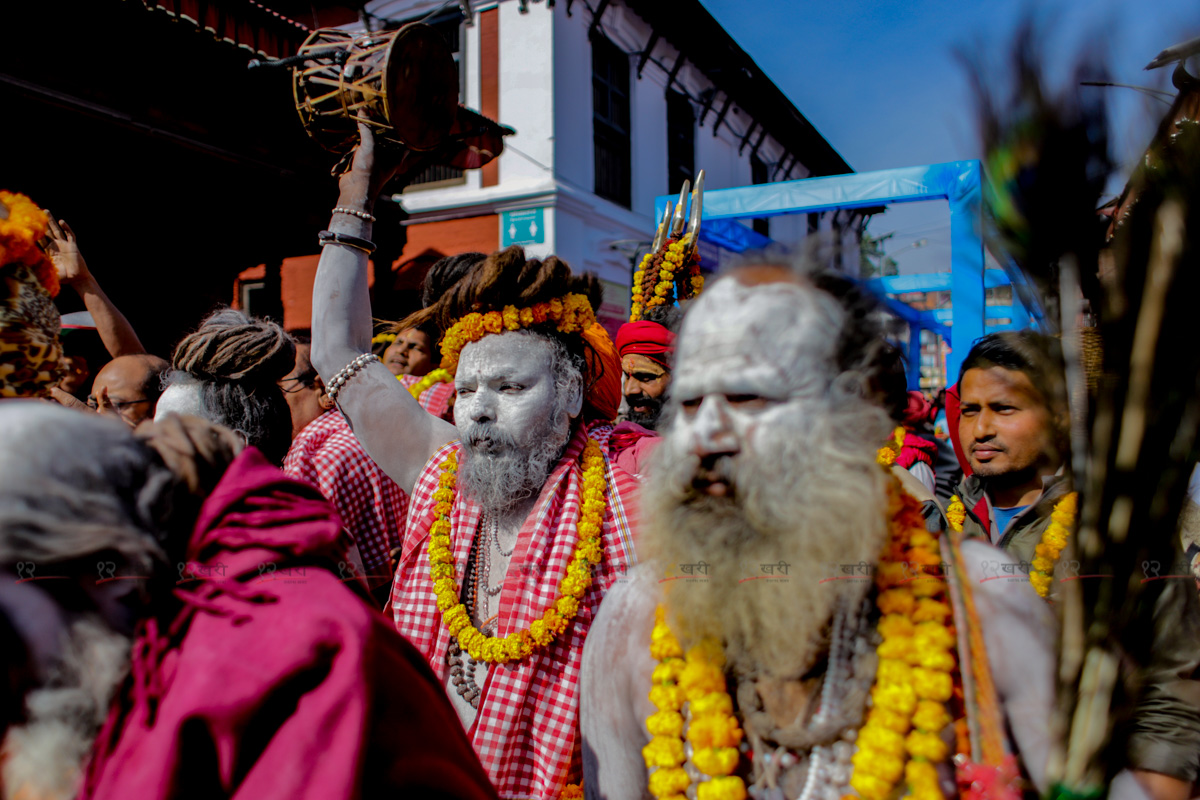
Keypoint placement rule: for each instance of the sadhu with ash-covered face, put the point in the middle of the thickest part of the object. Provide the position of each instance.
(796, 601)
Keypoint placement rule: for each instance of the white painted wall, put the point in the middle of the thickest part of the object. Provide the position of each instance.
(546, 94)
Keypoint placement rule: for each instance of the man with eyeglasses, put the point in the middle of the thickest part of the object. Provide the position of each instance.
(129, 387)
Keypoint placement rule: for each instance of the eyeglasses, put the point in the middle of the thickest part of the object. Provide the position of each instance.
(94, 404)
(303, 382)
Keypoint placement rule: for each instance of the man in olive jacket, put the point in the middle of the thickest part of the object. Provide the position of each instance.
(1013, 436)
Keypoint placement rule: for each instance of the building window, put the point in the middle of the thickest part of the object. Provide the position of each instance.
(450, 26)
(759, 174)
(681, 141)
(610, 120)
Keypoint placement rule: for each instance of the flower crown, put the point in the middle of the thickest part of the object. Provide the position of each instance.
(573, 313)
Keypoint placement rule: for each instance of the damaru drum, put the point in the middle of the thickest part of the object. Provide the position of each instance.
(403, 83)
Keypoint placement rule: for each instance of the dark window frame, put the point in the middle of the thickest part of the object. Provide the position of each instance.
(611, 122)
(760, 174)
(681, 141)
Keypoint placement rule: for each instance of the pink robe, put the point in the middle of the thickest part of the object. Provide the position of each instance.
(268, 676)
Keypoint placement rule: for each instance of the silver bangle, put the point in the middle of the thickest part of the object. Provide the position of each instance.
(354, 213)
(346, 373)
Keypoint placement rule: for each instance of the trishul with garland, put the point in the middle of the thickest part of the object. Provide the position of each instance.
(671, 270)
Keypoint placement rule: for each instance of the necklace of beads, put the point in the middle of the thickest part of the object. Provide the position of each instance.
(518, 644)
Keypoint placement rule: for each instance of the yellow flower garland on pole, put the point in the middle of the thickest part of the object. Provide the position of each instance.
(436, 376)
(518, 644)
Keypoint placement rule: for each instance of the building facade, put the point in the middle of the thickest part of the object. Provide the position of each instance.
(613, 102)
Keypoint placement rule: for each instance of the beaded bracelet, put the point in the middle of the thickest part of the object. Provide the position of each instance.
(329, 237)
(346, 373)
(354, 213)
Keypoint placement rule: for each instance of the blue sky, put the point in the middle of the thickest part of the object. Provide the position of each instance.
(879, 78)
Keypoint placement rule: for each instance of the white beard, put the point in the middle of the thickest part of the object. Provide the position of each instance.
(818, 499)
(501, 473)
(44, 757)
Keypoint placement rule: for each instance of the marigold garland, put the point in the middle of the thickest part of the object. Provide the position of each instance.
(1054, 539)
(518, 644)
(714, 733)
(901, 739)
(436, 376)
(383, 338)
(572, 313)
(19, 235)
(665, 265)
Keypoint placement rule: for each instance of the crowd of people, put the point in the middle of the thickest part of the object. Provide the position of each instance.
(495, 552)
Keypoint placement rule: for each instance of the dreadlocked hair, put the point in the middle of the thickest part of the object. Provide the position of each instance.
(237, 360)
(508, 278)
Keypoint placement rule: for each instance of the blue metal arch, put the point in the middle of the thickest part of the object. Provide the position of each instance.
(957, 182)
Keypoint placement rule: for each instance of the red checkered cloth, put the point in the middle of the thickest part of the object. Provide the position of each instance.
(372, 507)
(435, 399)
(527, 730)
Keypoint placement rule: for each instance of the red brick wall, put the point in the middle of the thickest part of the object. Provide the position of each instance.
(489, 80)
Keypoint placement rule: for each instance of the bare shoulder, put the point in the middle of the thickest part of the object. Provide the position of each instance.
(614, 699)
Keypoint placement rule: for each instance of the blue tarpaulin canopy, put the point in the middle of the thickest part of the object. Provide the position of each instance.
(957, 182)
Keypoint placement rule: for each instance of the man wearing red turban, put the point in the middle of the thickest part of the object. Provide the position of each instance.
(646, 348)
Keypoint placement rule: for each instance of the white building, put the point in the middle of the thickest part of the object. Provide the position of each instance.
(614, 102)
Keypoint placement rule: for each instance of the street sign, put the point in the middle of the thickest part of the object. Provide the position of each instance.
(526, 226)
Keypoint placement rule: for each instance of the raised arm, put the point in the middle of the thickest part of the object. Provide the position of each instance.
(115, 331)
(392, 426)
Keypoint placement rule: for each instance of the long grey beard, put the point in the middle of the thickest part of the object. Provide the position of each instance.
(824, 502)
(500, 474)
(44, 757)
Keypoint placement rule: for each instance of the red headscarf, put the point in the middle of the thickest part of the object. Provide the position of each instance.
(604, 374)
(645, 338)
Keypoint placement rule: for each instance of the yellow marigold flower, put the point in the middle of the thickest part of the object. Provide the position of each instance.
(1041, 583)
(667, 698)
(665, 723)
(899, 698)
(897, 647)
(892, 671)
(891, 574)
(869, 787)
(663, 751)
(666, 782)
(920, 773)
(928, 746)
(511, 318)
(886, 718)
(555, 308)
(882, 740)
(932, 685)
(885, 456)
(723, 788)
(896, 601)
(572, 791)
(941, 660)
(895, 625)
(668, 671)
(930, 716)
(665, 648)
(567, 606)
(699, 679)
(714, 703)
(928, 587)
(715, 760)
(933, 634)
(709, 651)
(441, 571)
(884, 767)
(714, 730)
(928, 610)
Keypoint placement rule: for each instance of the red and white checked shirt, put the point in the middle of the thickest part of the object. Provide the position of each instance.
(527, 730)
(435, 399)
(372, 507)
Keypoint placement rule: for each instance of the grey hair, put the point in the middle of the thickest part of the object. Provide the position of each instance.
(74, 486)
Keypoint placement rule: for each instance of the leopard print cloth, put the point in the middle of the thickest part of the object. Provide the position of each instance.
(31, 358)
